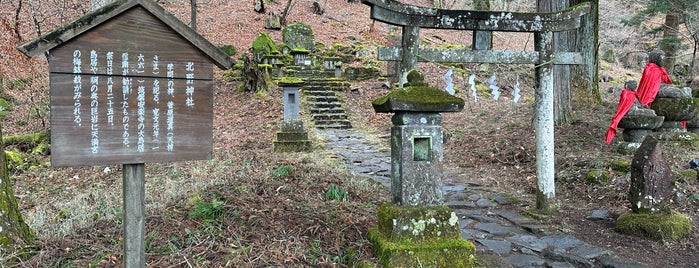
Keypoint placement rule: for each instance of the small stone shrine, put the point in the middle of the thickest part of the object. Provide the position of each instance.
(417, 229)
(292, 137)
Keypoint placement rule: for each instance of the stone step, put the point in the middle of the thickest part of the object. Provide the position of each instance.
(325, 87)
(332, 110)
(318, 104)
(330, 116)
(318, 92)
(333, 124)
(329, 99)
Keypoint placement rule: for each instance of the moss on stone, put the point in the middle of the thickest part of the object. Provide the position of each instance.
(433, 253)
(15, 159)
(289, 81)
(411, 236)
(26, 140)
(657, 226)
(417, 223)
(597, 177)
(426, 98)
(263, 45)
(621, 165)
(674, 109)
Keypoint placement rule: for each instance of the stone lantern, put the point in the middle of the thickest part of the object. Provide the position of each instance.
(417, 229)
(416, 142)
(292, 137)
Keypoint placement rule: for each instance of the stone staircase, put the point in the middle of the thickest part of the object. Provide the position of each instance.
(320, 93)
(324, 105)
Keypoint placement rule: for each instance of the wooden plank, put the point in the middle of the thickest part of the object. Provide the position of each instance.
(479, 56)
(134, 195)
(140, 36)
(119, 138)
(396, 13)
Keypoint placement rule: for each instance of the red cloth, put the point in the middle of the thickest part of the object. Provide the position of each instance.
(625, 102)
(649, 85)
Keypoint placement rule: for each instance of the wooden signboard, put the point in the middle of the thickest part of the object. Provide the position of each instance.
(146, 98)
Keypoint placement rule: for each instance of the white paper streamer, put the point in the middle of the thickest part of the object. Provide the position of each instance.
(472, 82)
(515, 92)
(495, 90)
(450, 85)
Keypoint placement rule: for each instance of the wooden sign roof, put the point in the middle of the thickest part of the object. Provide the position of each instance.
(90, 20)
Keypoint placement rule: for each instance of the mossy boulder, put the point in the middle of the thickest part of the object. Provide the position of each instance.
(657, 226)
(675, 109)
(299, 35)
(597, 177)
(420, 236)
(418, 99)
(262, 46)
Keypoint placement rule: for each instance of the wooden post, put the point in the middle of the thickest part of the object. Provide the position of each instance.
(543, 119)
(408, 62)
(134, 215)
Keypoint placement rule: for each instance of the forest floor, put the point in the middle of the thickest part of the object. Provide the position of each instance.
(249, 207)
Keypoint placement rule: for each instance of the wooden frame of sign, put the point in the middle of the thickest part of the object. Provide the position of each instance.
(130, 90)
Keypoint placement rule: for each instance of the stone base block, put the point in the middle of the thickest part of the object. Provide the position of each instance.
(431, 253)
(420, 236)
(292, 136)
(658, 226)
(292, 146)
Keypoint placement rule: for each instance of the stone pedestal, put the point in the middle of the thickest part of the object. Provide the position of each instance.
(420, 237)
(292, 137)
(637, 124)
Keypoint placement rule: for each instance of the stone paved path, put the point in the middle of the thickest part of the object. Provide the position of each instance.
(510, 238)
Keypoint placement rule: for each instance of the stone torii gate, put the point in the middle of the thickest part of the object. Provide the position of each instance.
(411, 18)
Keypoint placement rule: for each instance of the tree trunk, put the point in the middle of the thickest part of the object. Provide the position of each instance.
(193, 9)
(584, 78)
(670, 43)
(563, 108)
(13, 231)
